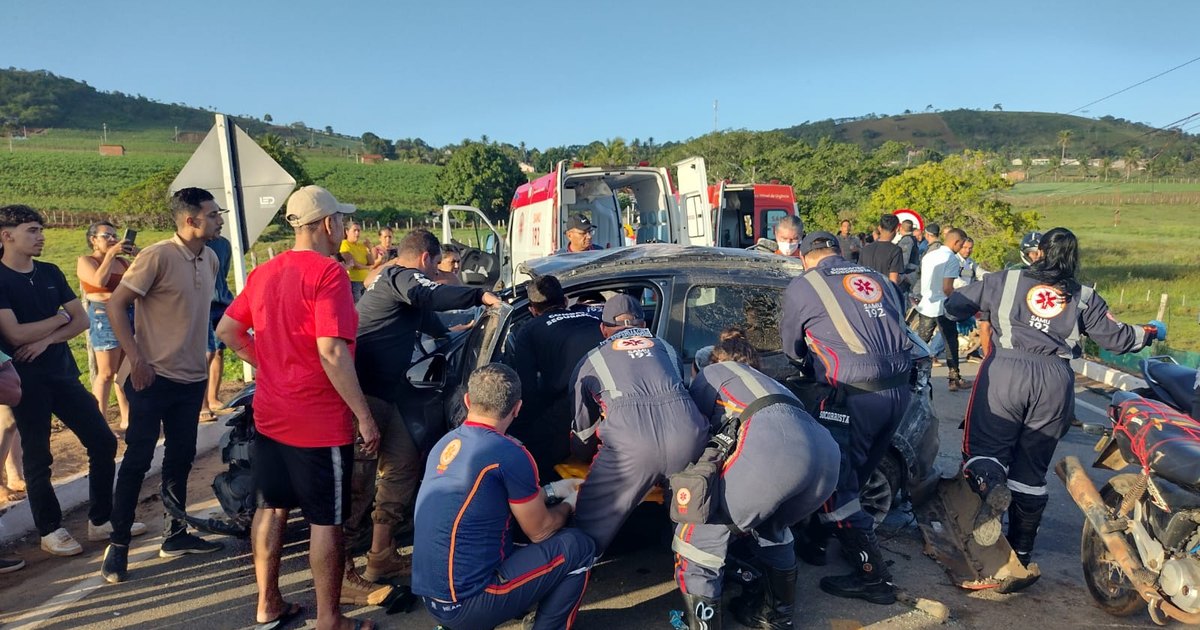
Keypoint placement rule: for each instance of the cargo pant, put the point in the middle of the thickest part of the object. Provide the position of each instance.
(784, 467)
(644, 439)
(388, 480)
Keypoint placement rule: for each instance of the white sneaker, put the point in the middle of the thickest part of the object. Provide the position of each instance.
(97, 533)
(60, 543)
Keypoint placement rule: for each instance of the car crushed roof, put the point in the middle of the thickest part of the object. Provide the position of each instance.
(662, 256)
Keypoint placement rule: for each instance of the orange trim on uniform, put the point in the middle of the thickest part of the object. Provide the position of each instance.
(737, 451)
(521, 580)
(457, 519)
(983, 365)
(526, 499)
(575, 611)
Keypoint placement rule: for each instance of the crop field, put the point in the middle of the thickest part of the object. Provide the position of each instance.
(1114, 193)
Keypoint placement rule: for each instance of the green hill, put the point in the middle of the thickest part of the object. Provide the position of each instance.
(1012, 133)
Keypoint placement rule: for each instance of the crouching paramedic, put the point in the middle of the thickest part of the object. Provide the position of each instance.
(477, 480)
(759, 499)
(1024, 398)
(850, 320)
(650, 429)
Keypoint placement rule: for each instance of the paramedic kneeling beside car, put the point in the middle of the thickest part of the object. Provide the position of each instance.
(477, 480)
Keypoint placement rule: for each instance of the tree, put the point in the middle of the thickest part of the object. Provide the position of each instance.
(287, 157)
(998, 107)
(1132, 158)
(145, 203)
(329, 130)
(374, 144)
(1064, 139)
(612, 153)
(962, 191)
(1106, 166)
(480, 175)
(267, 118)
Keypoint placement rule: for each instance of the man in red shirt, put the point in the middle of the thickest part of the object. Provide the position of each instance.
(300, 308)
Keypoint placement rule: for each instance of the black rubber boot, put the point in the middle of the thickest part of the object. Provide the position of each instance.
(871, 581)
(702, 613)
(1024, 518)
(988, 480)
(774, 607)
(812, 539)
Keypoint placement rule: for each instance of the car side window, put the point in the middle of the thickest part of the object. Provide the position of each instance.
(709, 309)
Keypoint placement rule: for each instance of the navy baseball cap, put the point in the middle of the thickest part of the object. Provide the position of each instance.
(579, 222)
(818, 240)
(621, 309)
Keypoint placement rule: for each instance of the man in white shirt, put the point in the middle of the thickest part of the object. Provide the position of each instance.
(939, 269)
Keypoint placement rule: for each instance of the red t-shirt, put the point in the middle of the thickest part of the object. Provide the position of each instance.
(289, 302)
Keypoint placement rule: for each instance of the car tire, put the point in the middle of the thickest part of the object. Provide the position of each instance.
(878, 494)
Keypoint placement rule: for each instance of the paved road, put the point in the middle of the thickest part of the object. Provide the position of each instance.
(633, 590)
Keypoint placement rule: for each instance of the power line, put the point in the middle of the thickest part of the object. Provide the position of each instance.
(1134, 85)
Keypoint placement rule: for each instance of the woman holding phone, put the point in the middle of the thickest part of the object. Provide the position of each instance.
(99, 274)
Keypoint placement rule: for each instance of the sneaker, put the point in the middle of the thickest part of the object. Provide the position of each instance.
(103, 531)
(115, 566)
(8, 565)
(185, 543)
(358, 592)
(385, 565)
(60, 543)
(959, 384)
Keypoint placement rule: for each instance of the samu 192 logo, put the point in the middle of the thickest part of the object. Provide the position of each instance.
(863, 288)
(1045, 301)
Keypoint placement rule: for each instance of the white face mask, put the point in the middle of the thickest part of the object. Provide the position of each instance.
(787, 249)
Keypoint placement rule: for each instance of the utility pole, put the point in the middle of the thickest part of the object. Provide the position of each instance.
(716, 108)
(105, 133)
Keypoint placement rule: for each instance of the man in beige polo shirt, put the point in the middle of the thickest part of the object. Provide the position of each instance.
(170, 286)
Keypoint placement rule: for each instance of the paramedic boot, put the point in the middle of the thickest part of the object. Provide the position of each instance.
(702, 613)
(870, 580)
(772, 609)
(812, 538)
(988, 480)
(1024, 517)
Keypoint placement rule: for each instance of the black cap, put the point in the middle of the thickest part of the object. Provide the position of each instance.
(933, 228)
(818, 240)
(621, 309)
(579, 222)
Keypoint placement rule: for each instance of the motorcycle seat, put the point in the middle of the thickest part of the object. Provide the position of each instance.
(1163, 438)
(1178, 381)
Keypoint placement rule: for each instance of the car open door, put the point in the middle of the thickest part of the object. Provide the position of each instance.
(486, 264)
(692, 178)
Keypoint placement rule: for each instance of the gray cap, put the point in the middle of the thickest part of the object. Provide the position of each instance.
(624, 307)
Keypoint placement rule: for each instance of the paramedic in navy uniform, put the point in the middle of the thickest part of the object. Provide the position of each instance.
(1024, 398)
(847, 322)
(761, 498)
(477, 481)
(630, 397)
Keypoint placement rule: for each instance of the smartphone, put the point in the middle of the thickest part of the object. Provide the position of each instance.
(128, 238)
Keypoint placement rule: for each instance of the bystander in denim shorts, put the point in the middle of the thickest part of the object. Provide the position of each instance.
(100, 331)
(215, 312)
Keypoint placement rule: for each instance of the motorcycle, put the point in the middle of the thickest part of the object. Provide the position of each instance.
(1168, 382)
(1140, 544)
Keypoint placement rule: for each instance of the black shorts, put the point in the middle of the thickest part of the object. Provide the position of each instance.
(316, 480)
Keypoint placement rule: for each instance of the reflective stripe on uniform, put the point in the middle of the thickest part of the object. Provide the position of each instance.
(748, 379)
(607, 383)
(1072, 340)
(1008, 299)
(842, 513)
(990, 459)
(587, 433)
(788, 539)
(1017, 486)
(836, 315)
(699, 556)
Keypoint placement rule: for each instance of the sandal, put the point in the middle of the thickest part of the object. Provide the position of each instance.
(292, 611)
(208, 416)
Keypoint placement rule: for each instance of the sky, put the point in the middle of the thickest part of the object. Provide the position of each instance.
(560, 73)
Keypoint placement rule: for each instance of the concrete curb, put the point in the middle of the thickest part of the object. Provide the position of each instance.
(1107, 375)
(72, 492)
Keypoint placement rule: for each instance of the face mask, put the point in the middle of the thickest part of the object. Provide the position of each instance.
(787, 249)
